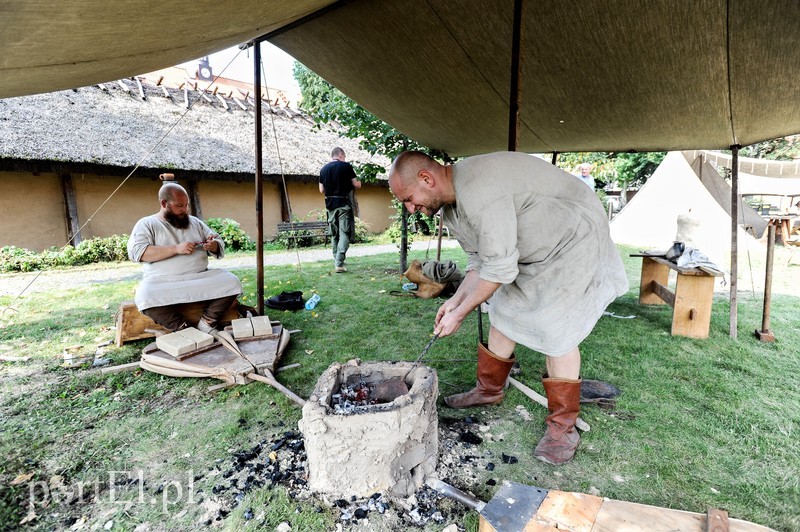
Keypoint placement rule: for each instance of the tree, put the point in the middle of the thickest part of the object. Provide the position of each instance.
(327, 104)
(780, 149)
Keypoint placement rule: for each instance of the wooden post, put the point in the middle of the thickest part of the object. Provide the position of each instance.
(765, 334)
(514, 92)
(554, 160)
(70, 210)
(283, 194)
(259, 178)
(734, 239)
(194, 198)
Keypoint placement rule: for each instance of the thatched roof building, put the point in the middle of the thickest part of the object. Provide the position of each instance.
(99, 134)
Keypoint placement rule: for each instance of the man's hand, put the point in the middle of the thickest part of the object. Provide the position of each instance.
(185, 248)
(448, 318)
(211, 244)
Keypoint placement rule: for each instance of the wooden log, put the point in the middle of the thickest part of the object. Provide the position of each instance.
(141, 89)
(222, 101)
(123, 86)
(70, 209)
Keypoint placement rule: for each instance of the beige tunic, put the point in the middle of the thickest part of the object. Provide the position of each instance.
(181, 278)
(544, 236)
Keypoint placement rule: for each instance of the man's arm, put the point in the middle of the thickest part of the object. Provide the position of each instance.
(156, 253)
(321, 188)
(356, 183)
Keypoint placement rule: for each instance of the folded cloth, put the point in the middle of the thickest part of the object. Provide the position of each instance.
(443, 272)
(287, 301)
(694, 258)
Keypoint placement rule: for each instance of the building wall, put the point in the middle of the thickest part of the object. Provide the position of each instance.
(40, 222)
(31, 211)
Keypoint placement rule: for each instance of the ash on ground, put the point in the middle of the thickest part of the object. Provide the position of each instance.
(281, 461)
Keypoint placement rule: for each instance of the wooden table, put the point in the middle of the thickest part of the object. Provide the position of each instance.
(691, 301)
(783, 225)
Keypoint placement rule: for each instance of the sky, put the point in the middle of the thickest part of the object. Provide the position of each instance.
(238, 64)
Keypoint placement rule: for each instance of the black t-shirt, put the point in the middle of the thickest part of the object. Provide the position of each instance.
(337, 178)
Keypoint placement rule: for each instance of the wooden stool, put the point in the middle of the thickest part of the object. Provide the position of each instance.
(132, 324)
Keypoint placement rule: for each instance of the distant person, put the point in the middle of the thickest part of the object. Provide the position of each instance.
(585, 174)
(539, 246)
(337, 180)
(174, 247)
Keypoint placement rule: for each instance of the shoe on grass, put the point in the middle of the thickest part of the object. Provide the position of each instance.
(340, 269)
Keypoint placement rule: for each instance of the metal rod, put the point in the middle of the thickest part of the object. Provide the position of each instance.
(514, 93)
(734, 240)
(259, 177)
(403, 238)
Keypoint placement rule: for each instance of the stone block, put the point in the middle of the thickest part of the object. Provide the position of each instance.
(261, 325)
(242, 328)
(198, 337)
(175, 344)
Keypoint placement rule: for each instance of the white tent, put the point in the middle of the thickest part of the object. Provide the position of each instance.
(650, 219)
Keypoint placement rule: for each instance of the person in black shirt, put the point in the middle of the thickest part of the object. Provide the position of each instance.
(337, 180)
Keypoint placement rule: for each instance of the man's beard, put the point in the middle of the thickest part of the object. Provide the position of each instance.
(176, 220)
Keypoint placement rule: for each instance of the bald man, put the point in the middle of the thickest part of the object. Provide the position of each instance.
(539, 247)
(174, 247)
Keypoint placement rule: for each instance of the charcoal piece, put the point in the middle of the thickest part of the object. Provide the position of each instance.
(470, 437)
(509, 459)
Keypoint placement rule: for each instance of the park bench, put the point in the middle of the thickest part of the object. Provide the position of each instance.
(690, 301)
(300, 229)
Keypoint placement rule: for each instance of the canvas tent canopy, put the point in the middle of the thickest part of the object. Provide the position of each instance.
(761, 177)
(664, 74)
(675, 189)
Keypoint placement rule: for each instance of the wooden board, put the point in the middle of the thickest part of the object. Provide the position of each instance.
(563, 511)
(213, 361)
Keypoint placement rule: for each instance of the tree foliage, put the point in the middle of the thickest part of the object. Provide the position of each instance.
(615, 168)
(780, 149)
(328, 105)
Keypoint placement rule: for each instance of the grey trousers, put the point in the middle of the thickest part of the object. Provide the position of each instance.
(340, 224)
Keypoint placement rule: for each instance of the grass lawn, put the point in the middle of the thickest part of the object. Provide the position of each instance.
(700, 423)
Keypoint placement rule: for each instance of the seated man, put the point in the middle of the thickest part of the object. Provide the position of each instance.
(174, 247)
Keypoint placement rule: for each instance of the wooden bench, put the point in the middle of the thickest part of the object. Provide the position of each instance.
(315, 228)
(691, 301)
(133, 325)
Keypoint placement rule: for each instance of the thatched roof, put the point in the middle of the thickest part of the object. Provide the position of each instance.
(111, 130)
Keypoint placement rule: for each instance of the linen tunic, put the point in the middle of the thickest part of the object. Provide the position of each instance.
(181, 278)
(544, 236)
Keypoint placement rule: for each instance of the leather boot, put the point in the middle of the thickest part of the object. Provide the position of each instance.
(492, 374)
(561, 438)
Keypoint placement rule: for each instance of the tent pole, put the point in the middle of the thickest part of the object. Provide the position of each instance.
(554, 160)
(514, 94)
(258, 178)
(734, 238)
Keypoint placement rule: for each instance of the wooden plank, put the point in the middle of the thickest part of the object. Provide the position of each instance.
(663, 293)
(620, 515)
(194, 198)
(716, 520)
(691, 315)
(570, 511)
(132, 366)
(652, 270)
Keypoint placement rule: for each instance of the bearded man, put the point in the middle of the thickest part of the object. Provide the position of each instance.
(174, 247)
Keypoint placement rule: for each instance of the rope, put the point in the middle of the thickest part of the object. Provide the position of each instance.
(136, 167)
(292, 238)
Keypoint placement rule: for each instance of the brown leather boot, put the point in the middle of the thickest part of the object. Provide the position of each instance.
(492, 374)
(560, 440)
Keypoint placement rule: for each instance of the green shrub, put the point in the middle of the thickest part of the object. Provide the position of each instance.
(109, 249)
(232, 234)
